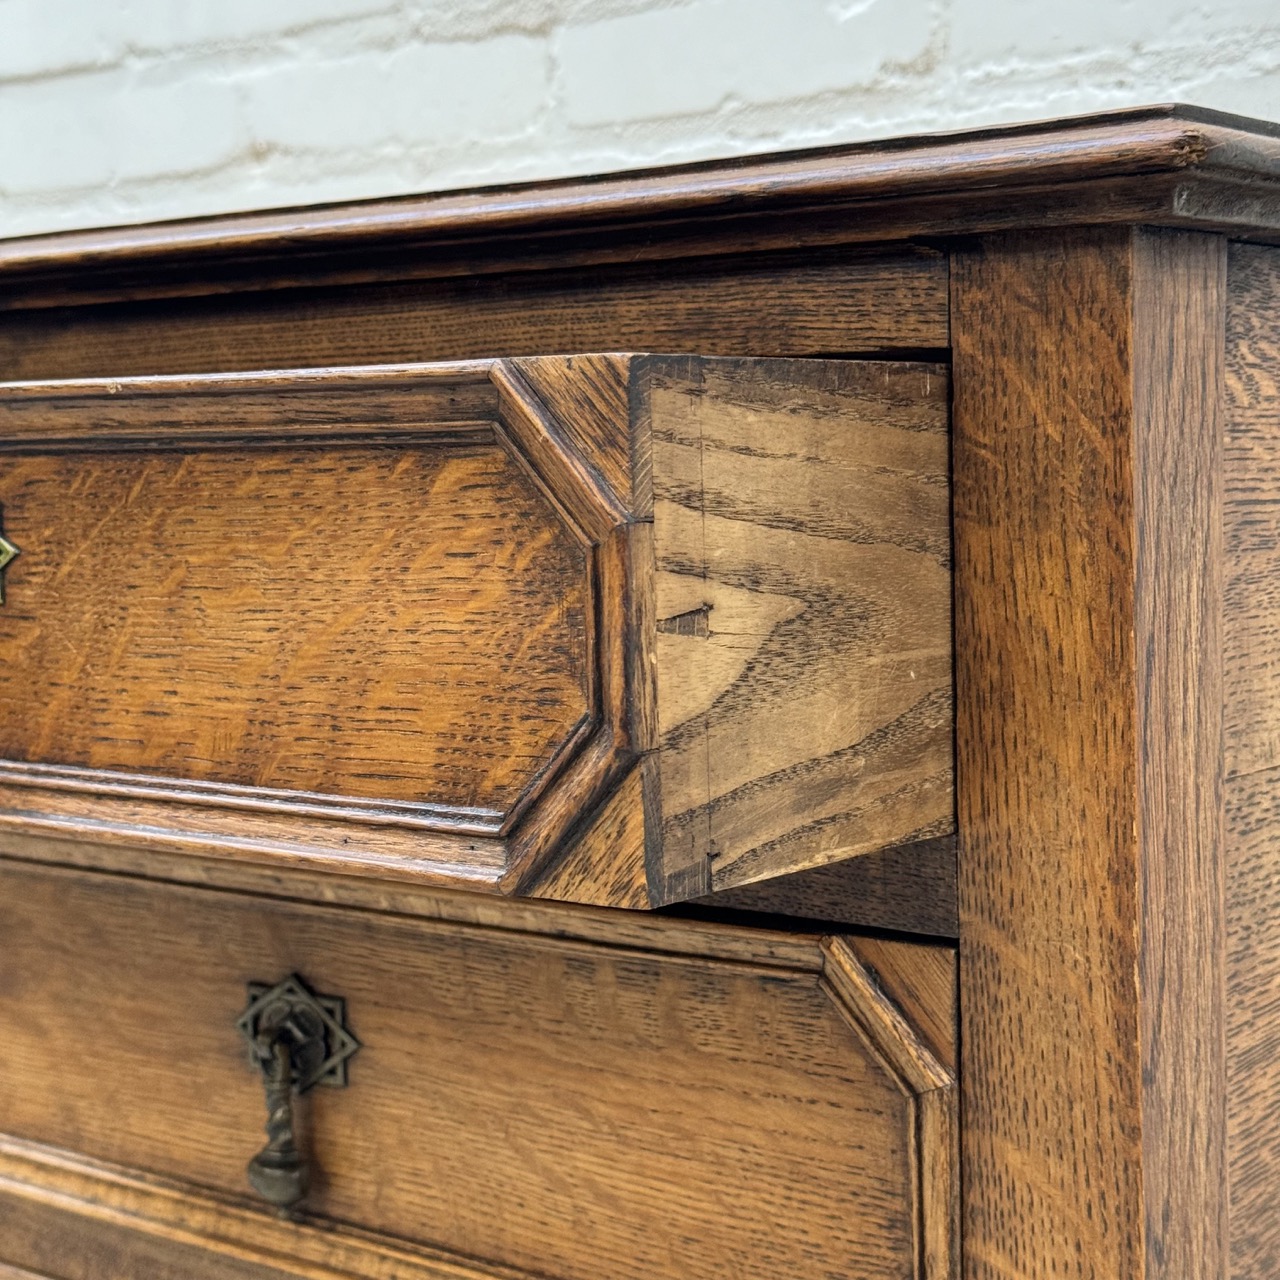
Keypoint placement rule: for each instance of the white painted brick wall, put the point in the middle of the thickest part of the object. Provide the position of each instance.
(129, 110)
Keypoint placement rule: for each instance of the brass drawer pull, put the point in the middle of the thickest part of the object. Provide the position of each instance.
(297, 1039)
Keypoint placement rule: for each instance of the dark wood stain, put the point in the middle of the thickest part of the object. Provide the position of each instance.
(910, 888)
(769, 304)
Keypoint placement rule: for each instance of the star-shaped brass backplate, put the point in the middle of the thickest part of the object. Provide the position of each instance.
(320, 1044)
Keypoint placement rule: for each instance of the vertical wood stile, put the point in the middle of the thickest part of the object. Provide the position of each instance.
(1088, 612)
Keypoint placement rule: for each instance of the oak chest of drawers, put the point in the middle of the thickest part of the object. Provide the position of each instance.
(709, 723)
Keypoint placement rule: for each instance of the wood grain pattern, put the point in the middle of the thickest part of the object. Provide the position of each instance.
(604, 864)
(442, 602)
(803, 585)
(1179, 306)
(1120, 1018)
(94, 1247)
(90, 1220)
(768, 304)
(911, 888)
(641, 1113)
(1253, 483)
(920, 981)
(1087, 429)
(416, 900)
(399, 598)
(1251, 714)
(864, 979)
(589, 395)
(1253, 1019)
(408, 625)
(1170, 165)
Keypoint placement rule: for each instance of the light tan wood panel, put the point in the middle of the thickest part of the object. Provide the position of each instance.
(803, 587)
(1252, 511)
(1253, 1021)
(565, 1108)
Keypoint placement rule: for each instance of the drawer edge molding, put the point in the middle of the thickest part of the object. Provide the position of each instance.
(417, 899)
(910, 1056)
(148, 1206)
(436, 406)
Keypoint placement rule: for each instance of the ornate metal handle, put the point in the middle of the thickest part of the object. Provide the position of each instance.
(278, 1172)
(296, 1039)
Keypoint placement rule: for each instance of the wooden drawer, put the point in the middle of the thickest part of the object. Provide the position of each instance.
(608, 628)
(563, 1091)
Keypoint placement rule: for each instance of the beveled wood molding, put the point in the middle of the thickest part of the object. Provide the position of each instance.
(521, 545)
(219, 1226)
(925, 1075)
(897, 1001)
(443, 406)
(422, 901)
(1168, 165)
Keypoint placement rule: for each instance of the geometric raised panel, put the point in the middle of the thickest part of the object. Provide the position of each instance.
(398, 626)
(338, 616)
(596, 1096)
(616, 629)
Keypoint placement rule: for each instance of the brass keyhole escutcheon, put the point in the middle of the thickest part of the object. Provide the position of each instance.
(297, 1039)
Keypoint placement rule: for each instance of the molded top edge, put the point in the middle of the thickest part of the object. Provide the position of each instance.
(1015, 165)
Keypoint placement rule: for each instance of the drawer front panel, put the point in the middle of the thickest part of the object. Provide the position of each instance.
(390, 623)
(719, 1104)
(622, 629)
(360, 616)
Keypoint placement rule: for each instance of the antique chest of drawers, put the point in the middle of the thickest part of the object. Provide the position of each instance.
(707, 723)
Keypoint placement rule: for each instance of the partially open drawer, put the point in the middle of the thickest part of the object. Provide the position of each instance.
(565, 1092)
(656, 625)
